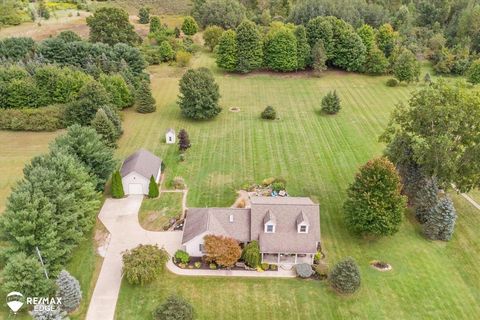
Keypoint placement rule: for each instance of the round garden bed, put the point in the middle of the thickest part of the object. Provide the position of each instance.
(380, 265)
(234, 109)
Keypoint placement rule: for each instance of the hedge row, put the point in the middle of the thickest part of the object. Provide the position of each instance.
(48, 118)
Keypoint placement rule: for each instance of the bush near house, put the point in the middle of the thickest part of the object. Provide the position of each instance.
(182, 256)
(222, 250)
(144, 263)
(345, 276)
(251, 254)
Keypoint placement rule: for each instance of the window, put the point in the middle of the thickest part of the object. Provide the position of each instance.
(200, 247)
(270, 228)
(302, 229)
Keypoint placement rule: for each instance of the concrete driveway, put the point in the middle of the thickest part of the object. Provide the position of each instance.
(120, 217)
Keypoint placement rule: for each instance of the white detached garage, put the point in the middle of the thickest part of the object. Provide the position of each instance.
(137, 169)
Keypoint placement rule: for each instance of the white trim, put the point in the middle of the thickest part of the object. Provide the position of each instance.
(302, 225)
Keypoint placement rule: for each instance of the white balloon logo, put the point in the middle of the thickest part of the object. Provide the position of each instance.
(15, 301)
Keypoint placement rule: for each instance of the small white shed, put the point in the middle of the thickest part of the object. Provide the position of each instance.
(137, 169)
(170, 136)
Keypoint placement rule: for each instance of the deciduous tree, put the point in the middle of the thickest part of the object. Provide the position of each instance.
(406, 67)
(110, 25)
(144, 263)
(212, 35)
(183, 141)
(222, 250)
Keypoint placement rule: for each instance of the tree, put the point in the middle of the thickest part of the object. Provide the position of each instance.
(319, 58)
(426, 198)
(406, 67)
(174, 308)
(183, 141)
(153, 188)
(145, 102)
(427, 79)
(25, 274)
(440, 221)
(280, 49)
(345, 276)
(117, 185)
(47, 312)
(375, 62)
(155, 24)
(211, 36)
(222, 250)
(303, 48)
(144, 15)
(249, 47)
(227, 51)
(367, 34)
(42, 10)
(386, 38)
(447, 147)
(374, 204)
(331, 103)
(251, 254)
(166, 51)
(117, 88)
(69, 36)
(227, 14)
(105, 128)
(269, 113)
(144, 263)
(199, 94)
(189, 26)
(69, 290)
(86, 145)
(90, 98)
(110, 25)
(473, 72)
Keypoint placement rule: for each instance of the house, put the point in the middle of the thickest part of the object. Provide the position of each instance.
(137, 169)
(170, 136)
(286, 228)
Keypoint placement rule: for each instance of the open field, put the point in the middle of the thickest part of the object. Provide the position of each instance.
(318, 155)
(156, 6)
(155, 213)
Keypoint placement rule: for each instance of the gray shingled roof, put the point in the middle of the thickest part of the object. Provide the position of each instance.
(217, 221)
(142, 162)
(286, 210)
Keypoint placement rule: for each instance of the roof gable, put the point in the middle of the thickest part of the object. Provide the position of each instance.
(142, 162)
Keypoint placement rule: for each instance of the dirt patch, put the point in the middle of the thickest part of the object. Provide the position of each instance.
(234, 109)
(380, 265)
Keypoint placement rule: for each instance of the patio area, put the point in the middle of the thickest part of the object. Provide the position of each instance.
(287, 258)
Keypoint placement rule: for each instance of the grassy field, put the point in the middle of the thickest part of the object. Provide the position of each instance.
(318, 155)
(155, 213)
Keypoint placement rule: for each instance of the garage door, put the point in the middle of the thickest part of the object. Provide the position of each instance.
(135, 188)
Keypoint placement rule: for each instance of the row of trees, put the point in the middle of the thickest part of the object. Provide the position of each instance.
(53, 208)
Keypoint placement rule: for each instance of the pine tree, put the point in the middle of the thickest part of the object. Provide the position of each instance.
(145, 101)
(43, 312)
(331, 103)
(345, 276)
(440, 220)
(155, 24)
(105, 128)
(303, 48)
(144, 15)
(117, 185)
(183, 141)
(249, 47)
(189, 26)
(426, 198)
(69, 290)
(227, 51)
(153, 188)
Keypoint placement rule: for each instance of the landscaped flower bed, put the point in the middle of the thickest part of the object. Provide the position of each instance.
(200, 263)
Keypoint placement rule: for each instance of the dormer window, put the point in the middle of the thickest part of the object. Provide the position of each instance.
(269, 228)
(303, 228)
(302, 223)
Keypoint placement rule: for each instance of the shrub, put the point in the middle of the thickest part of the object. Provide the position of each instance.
(153, 188)
(197, 264)
(48, 118)
(278, 186)
(182, 256)
(166, 52)
(189, 26)
(199, 94)
(222, 250)
(268, 181)
(473, 72)
(392, 82)
(304, 270)
(183, 141)
(143, 264)
(321, 269)
(211, 36)
(174, 308)
(117, 185)
(178, 183)
(331, 103)
(251, 254)
(374, 204)
(69, 36)
(265, 266)
(144, 15)
(213, 266)
(183, 58)
(317, 257)
(269, 113)
(69, 291)
(345, 276)
(273, 267)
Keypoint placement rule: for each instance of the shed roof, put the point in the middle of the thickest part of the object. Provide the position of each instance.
(142, 162)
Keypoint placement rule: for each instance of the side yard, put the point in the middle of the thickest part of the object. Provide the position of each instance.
(155, 214)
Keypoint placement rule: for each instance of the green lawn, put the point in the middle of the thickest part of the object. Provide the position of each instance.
(155, 213)
(318, 155)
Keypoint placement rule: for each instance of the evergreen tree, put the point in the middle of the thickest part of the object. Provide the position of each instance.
(153, 188)
(145, 101)
(117, 185)
(440, 221)
(155, 24)
(43, 312)
(183, 141)
(249, 47)
(105, 128)
(114, 117)
(144, 15)
(303, 49)
(426, 198)
(331, 103)
(189, 26)
(251, 254)
(199, 94)
(90, 98)
(374, 205)
(319, 58)
(375, 62)
(174, 308)
(345, 276)
(406, 67)
(69, 290)
(280, 50)
(87, 146)
(227, 51)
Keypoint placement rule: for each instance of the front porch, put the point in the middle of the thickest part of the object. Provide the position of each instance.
(287, 258)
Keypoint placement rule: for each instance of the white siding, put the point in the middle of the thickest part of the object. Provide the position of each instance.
(134, 177)
(170, 138)
(193, 246)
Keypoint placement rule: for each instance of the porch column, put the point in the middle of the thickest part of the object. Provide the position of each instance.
(278, 258)
(295, 258)
(262, 257)
(311, 258)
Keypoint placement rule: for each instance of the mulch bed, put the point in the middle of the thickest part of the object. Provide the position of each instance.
(206, 266)
(380, 265)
